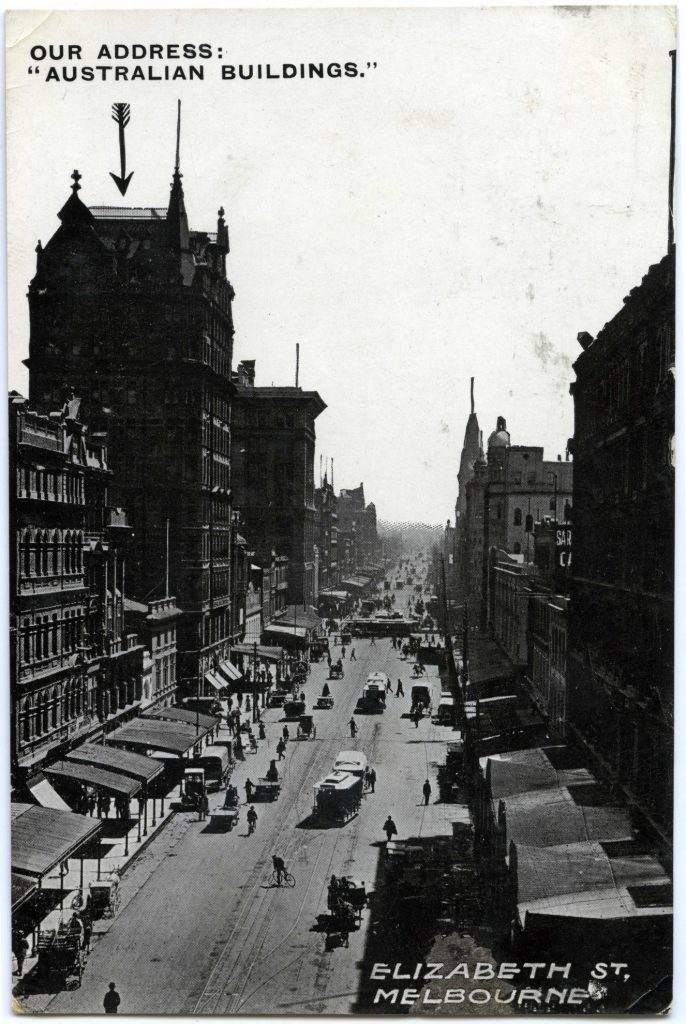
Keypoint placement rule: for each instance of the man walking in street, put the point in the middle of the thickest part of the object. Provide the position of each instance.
(280, 748)
(286, 734)
(399, 691)
(426, 790)
(389, 688)
(389, 828)
(372, 779)
(248, 790)
(20, 948)
(112, 999)
(373, 642)
(353, 727)
(352, 654)
(203, 807)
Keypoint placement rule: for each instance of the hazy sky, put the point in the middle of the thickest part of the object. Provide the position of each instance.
(496, 185)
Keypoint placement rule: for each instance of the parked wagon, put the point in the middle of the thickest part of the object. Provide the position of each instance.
(336, 670)
(324, 703)
(224, 817)
(337, 797)
(307, 730)
(60, 953)
(266, 789)
(104, 897)
(293, 709)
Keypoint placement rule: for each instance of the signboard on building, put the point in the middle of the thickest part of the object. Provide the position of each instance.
(563, 555)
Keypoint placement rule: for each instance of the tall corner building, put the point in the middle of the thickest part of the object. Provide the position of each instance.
(131, 309)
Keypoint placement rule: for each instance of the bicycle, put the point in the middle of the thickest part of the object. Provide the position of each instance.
(287, 879)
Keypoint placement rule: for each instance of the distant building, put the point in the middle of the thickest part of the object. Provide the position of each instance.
(155, 624)
(357, 527)
(75, 671)
(621, 619)
(273, 439)
(521, 488)
(549, 581)
(326, 504)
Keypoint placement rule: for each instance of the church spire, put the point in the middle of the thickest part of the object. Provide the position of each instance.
(177, 218)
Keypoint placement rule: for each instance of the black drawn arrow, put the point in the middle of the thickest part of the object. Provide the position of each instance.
(121, 113)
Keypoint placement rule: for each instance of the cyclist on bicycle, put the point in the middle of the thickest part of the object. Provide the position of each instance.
(279, 868)
(252, 820)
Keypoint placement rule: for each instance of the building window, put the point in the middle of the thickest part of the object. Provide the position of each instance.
(518, 517)
(518, 548)
(499, 511)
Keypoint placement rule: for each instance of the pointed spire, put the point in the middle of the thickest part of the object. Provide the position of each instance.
(176, 212)
(471, 394)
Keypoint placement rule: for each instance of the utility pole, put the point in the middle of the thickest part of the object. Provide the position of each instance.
(254, 681)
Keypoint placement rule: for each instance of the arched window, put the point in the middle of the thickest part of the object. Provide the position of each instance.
(27, 552)
(65, 703)
(46, 636)
(26, 724)
(79, 551)
(53, 709)
(39, 641)
(45, 714)
(518, 517)
(45, 554)
(27, 639)
(55, 638)
(55, 553)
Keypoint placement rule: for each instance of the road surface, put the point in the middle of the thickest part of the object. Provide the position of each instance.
(205, 932)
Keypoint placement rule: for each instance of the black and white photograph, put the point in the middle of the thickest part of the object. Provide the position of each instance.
(341, 481)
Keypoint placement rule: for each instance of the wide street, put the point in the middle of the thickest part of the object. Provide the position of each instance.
(202, 929)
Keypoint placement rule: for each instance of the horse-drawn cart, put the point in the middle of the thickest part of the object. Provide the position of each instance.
(60, 954)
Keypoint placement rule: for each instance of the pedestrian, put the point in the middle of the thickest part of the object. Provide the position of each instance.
(286, 734)
(238, 748)
(372, 779)
(342, 652)
(389, 688)
(417, 716)
(247, 703)
(229, 722)
(353, 727)
(106, 803)
(20, 948)
(112, 999)
(353, 657)
(389, 828)
(203, 806)
(252, 820)
(426, 790)
(91, 801)
(373, 643)
(328, 661)
(280, 748)
(399, 690)
(87, 921)
(99, 804)
(248, 790)
(262, 731)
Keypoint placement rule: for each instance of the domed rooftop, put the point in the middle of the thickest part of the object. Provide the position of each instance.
(500, 438)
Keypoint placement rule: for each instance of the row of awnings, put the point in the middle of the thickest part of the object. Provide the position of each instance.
(356, 582)
(224, 674)
(43, 836)
(263, 652)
